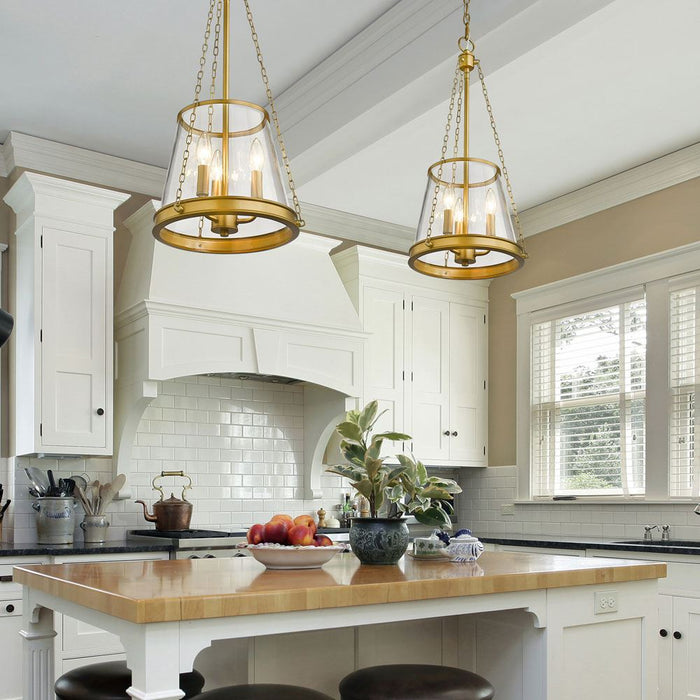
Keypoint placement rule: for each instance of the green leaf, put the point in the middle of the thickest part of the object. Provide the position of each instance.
(364, 487)
(421, 472)
(350, 431)
(434, 516)
(395, 437)
(346, 471)
(433, 491)
(366, 418)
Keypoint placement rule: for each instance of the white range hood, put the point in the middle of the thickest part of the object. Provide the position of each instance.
(283, 312)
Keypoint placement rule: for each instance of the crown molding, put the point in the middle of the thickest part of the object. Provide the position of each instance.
(642, 180)
(25, 152)
(359, 229)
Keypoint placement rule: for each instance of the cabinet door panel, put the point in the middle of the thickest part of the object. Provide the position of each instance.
(686, 650)
(383, 318)
(430, 380)
(74, 317)
(467, 391)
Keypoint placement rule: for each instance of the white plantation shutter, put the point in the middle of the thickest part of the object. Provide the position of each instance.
(684, 378)
(588, 388)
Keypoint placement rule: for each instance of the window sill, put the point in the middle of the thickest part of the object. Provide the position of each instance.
(585, 500)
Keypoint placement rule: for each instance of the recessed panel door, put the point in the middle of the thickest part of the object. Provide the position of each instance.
(74, 317)
(429, 376)
(467, 384)
(384, 363)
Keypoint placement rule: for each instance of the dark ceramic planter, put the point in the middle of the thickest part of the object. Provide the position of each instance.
(378, 540)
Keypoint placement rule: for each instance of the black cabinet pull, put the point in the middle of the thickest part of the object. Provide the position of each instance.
(454, 433)
(6, 579)
(100, 411)
(663, 633)
(677, 635)
(447, 433)
(10, 608)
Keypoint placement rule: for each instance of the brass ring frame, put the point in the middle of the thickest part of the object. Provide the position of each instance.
(449, 183)
(225, 206)
(185, 124)
(450, 242)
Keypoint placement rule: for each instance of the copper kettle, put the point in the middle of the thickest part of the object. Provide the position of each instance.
(171, 513)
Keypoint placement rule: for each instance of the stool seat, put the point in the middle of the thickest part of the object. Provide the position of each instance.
(263, 691)
(109, 681)
(414, 682)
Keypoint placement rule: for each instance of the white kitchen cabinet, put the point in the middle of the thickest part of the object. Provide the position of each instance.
(425, 360)
(63, 335)
(679, 648)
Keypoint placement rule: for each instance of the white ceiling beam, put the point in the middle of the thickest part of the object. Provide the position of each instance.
(400, 66)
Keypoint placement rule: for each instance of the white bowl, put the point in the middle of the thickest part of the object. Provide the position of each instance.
(277, 556)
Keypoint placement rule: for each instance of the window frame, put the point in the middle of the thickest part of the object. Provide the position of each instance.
(656, 275)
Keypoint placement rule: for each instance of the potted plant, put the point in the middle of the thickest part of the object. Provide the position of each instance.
(403, 489)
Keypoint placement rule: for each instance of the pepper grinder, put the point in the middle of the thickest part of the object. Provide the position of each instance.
(321, 517)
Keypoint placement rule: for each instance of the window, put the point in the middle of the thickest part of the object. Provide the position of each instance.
(588, 402)
(684, 378)
(608, 372)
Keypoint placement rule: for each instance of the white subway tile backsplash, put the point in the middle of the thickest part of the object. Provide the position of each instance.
(486, 490)
(241, 443)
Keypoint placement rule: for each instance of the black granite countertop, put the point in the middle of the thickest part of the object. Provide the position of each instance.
(24, 549)
(583, 543)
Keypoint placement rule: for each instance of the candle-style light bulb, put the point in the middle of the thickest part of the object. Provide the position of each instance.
(257, 161)
(216, 173)
(448, 202)
(490, 209)
(203, 152)
(459, 217)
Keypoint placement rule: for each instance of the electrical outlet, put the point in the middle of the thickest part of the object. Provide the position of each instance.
(605, 602)
(507, 509)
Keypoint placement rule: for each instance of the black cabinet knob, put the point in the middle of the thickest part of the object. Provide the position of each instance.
(677, 635)
(663, 633)
(100, 411)
(447, 433)
(454, 433)
(10, 608)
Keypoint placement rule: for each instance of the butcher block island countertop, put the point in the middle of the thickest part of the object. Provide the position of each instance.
(165, 591)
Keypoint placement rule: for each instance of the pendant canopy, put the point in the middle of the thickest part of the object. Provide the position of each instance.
(465, 229)
(227, 190)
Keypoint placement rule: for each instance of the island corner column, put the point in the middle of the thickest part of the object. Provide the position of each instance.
(38, 650)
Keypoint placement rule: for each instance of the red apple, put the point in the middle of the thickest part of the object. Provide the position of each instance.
(323, 541)
(255, 534)
(301, 535)
(275, 531)
(284, 518)
(306, 520)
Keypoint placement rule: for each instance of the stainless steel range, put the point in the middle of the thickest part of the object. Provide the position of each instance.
(194, 544)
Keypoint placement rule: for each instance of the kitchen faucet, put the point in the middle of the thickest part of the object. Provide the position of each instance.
(647, 532)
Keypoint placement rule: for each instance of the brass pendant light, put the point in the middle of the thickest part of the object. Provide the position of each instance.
(225, 191)
(465, 229)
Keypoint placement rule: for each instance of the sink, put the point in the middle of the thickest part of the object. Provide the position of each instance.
(662, 543)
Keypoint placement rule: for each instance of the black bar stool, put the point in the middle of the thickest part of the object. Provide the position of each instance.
(414, 682)
(109, 681)
(263, 691)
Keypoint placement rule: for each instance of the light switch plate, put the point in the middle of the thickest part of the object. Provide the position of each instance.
(507, 509)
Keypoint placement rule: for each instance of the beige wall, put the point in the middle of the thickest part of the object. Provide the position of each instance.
(657, 222)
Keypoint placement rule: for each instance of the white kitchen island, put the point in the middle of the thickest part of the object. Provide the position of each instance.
(572, 644)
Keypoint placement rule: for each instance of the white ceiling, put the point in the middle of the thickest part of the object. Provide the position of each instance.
(110, 75)
(581, 89)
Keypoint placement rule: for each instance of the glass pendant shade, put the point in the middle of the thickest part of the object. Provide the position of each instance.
(225, 191)
(465, 232)
(231, 187)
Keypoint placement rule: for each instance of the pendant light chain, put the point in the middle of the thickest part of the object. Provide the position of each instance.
(443, 153)
(285, 158)
(501, 158)
(193, 114)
